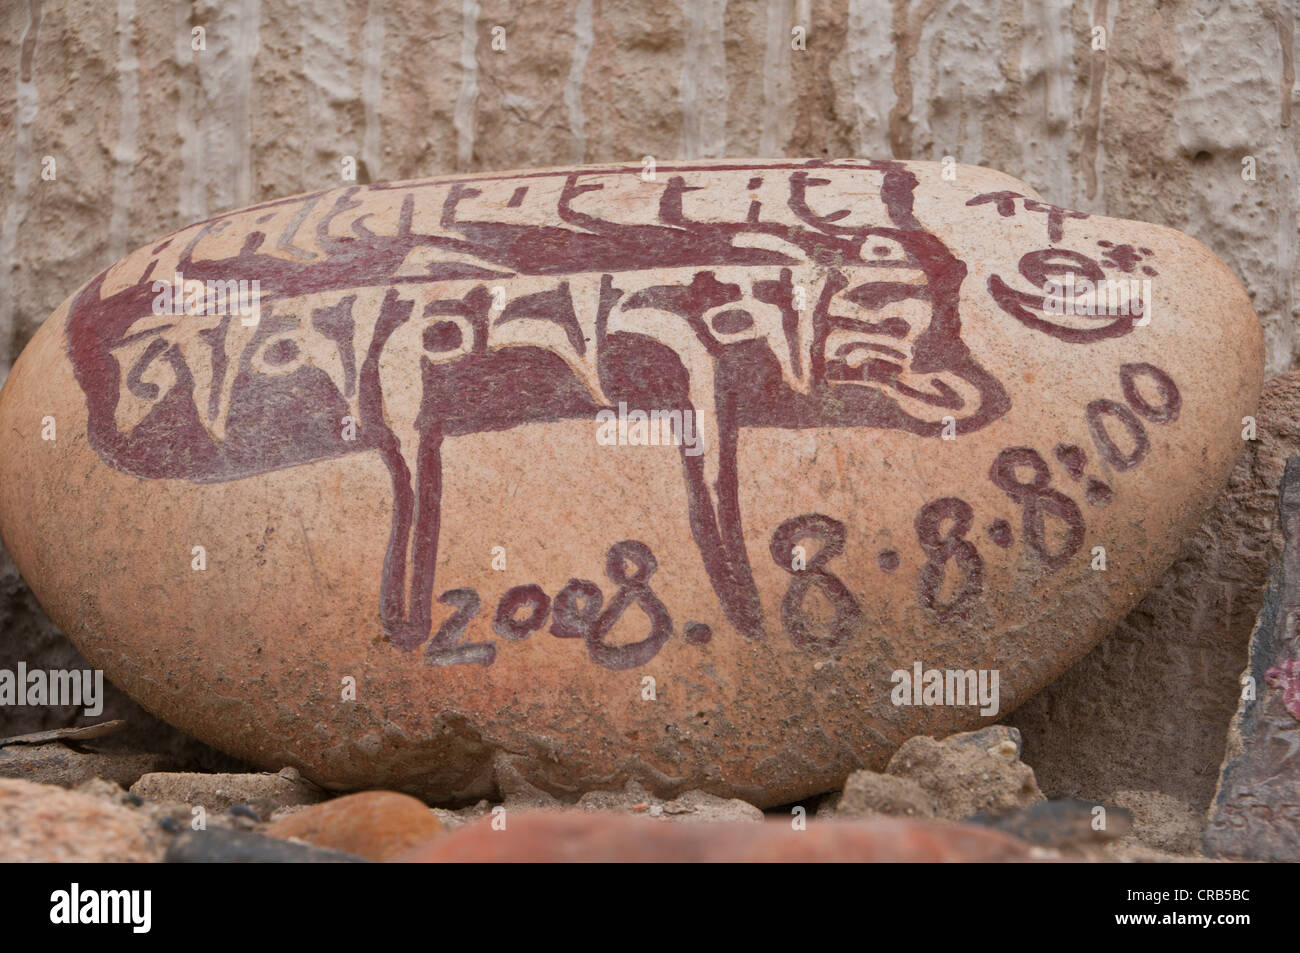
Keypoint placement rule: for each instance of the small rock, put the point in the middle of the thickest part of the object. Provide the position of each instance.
(459, 817)
(601, 837)
(58, 764)
(376, 825)
(690, 806)
(109, 790)
(242, 817)
(224, 846)
(217, 792)
(1002, 740)
(42, 823)
(964, 778)
(867, 794)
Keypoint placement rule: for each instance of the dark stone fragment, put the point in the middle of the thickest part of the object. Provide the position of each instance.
(220, 846)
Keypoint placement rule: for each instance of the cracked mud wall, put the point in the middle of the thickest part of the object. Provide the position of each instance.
(138, 134)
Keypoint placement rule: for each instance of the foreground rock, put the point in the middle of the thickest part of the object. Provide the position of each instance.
(40, 823)
(1065, 824)
(239, 514)
(377, 825)
(226, 846)
(959, 777)
(608, 838)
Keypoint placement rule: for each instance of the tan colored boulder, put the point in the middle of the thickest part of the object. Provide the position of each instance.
(376, 825)
(403, 504)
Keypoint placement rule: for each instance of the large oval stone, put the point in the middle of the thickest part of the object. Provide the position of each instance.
(700, 476)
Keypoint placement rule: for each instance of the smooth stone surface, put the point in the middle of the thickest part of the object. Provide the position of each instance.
(31, 638)
(376, 825)
(1176, 658)
(607, 838)
(380, 604)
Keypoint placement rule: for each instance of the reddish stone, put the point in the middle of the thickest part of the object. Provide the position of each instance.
(377, 825)
(559, 837)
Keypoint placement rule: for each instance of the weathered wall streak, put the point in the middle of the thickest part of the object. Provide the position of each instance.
(1285, 20)
(327, 65)
(704, 79)
(190, 200)
(1288, 235)
(1047, 56)
(776, 75)
(871, 57)
(224, 103)
(372, 90)
(957, 87)
(25, 169)
(467, 101)
(907, 24)
(582, 40)
(246, 47)
(124, 151)
(1091, 127)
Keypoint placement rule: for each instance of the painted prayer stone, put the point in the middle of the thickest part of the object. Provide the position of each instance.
(724, 475)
